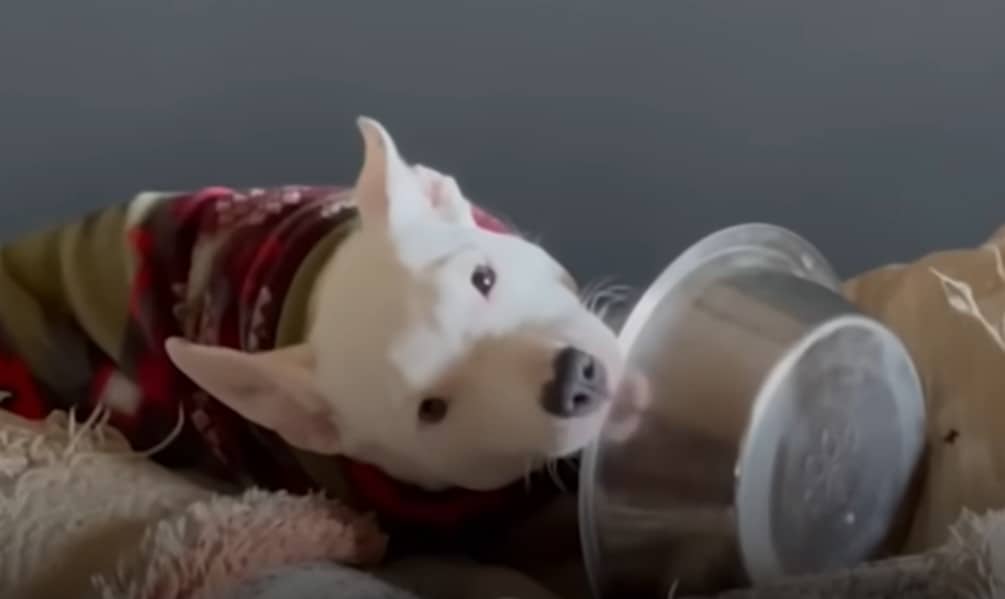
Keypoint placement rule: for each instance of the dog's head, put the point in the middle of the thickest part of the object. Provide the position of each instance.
(439, 351)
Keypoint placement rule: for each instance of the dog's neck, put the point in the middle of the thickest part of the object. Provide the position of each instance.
(326, 472)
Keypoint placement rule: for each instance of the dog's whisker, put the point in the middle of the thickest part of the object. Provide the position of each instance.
(549, 468)
(601, 289)
(591, 287)
(614, 292)
(528, 472)
(572, 466)
(602, 296)
(570, 463)
(556, 476)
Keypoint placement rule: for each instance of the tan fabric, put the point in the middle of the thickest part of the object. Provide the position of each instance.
(970, 565)
(949, 309)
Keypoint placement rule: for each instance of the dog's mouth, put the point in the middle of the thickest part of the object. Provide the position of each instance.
(571, 436)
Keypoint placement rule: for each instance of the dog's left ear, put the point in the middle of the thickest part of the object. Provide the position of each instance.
(388, 193)
(274, 389)
(391, 193)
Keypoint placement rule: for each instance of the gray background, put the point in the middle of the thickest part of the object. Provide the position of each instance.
(619, 132)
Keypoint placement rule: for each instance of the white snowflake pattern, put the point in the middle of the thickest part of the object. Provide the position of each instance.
(216, 446)
(209, 322)
(180, 308)
(200, 419)
(291, 195)
(200, 399)
(338, 206)
(266, 207)
(256, 327)
(205, 426)
(232, 209)
(120, 394)
(257, 205)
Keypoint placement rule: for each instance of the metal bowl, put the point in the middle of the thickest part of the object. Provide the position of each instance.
(778, 435)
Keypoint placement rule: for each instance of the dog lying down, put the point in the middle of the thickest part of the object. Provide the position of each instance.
(390, 342)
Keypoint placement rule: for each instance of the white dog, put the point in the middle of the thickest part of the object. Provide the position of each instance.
(443, 353)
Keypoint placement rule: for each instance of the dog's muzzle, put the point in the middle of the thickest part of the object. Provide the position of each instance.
(578, 385)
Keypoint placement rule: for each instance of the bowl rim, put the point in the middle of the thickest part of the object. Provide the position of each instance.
(760, 561)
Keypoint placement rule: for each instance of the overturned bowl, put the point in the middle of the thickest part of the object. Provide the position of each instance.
(774, 429)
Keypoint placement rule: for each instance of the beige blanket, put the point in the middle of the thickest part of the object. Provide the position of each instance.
(949, 309)
(84, 517)
(970, 565)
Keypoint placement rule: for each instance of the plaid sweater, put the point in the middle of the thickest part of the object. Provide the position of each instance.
(86, 308)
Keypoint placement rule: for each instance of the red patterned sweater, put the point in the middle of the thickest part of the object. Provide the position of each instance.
(86, 308)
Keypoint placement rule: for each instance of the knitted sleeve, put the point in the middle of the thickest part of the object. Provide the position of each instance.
(64, 294)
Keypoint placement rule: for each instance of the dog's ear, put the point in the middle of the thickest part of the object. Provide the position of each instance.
(444, 195)
(273, 389)
(388, 192)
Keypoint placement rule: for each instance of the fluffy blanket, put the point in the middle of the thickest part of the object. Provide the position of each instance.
(83, 516)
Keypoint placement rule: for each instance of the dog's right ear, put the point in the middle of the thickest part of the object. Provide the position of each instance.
(273, 389)
(388, 193)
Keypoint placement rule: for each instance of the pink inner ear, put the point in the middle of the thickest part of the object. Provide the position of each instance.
(487, 221)
(433, 189)
(431, 185)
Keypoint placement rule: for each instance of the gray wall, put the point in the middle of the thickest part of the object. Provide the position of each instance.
(617, 131)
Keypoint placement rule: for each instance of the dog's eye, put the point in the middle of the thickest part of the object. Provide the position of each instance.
(433, 410)
(483, 278)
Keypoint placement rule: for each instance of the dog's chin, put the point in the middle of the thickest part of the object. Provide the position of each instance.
(506, 471)
(572, 436)
(570, 439)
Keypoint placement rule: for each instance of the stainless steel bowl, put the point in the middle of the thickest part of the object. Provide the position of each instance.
(778, 436)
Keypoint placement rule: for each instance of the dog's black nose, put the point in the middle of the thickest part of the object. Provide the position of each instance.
(578, 386)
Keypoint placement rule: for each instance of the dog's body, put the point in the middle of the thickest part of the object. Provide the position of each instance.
(371, 340)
